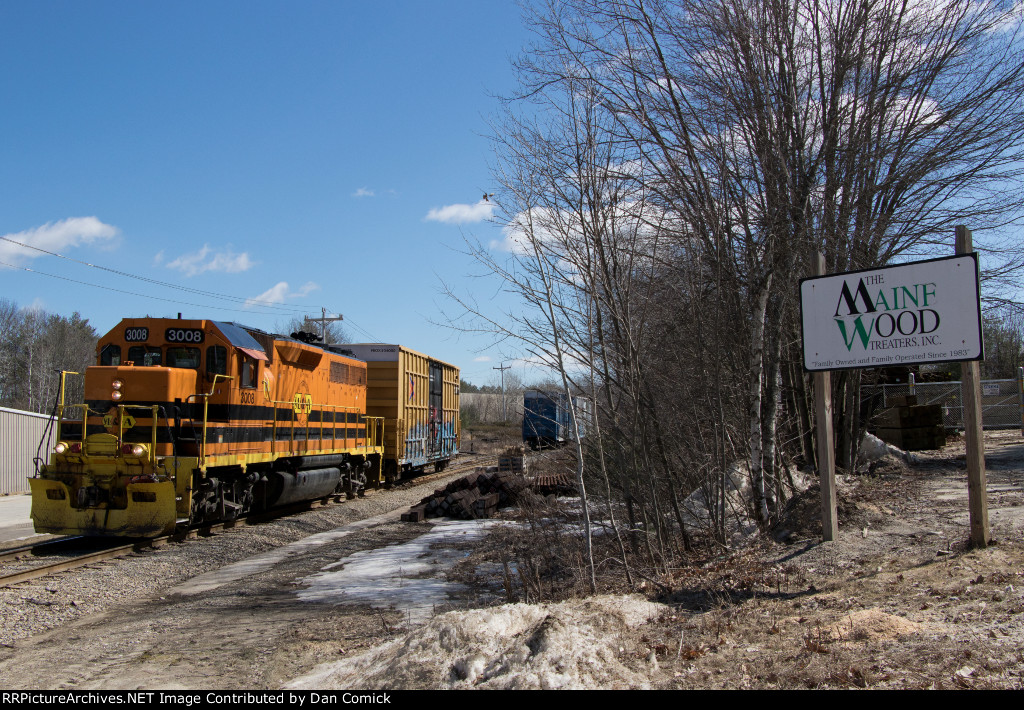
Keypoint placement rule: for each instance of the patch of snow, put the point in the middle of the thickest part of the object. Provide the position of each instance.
(408, 576)
(578, 644)
(873, 449)
(262, 562)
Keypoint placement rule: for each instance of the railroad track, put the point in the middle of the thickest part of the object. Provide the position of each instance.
(72, 558)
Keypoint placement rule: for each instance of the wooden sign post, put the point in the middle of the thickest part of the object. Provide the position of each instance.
(970, 391)
(825, 440)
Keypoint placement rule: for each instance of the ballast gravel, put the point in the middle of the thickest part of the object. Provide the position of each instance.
(37, 606)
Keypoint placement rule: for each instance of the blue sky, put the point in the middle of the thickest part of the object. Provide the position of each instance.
(317, 154)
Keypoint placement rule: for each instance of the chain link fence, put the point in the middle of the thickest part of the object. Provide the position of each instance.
(1002, 401)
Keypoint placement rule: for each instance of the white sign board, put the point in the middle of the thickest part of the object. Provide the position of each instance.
(373, 352)
(924, 311)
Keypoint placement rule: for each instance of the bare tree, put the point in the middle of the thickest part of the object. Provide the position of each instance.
(334, 332)
(1004, 344)
(665, 174)
(765, 132)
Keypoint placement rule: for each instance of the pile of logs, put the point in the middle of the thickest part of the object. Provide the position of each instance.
(477, 495)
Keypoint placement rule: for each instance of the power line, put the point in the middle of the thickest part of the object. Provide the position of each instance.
(132, 293)
(179, 287)
(355, 326)
(370, 336)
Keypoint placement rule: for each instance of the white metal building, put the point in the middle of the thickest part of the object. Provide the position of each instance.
(20, 433)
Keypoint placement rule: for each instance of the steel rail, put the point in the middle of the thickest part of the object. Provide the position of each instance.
(15, 553)
(78, 561)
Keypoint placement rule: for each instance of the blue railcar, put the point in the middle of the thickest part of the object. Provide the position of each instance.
(547, 420)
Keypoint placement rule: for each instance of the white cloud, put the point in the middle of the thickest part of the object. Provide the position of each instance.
(279, 293)
(561, 231)
(482, 358)
(202, 261)
(363, 192)
(461, 214)
(55, 237)
(540, 223)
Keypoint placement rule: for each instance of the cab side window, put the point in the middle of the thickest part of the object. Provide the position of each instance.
(110, 354)
(248, 374)
(216, 360)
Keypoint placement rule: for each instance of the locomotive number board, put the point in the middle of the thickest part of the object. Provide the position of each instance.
(183, 335)
(136, 335)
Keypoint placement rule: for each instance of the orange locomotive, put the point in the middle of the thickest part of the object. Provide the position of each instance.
(192, 421)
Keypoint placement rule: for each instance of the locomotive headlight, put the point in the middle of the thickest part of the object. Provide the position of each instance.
(116, 395)
(117, 384)
(61, 447)
(134, 450)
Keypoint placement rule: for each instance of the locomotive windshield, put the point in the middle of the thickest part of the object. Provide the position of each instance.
(110, 354)
(144, 355)
(216, 360)
(183, 357)
(178, 356)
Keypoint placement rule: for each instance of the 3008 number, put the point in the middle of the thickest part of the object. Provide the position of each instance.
(183, 335)
(136, 335)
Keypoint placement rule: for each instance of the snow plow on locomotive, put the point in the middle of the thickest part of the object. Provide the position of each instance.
(187, 422)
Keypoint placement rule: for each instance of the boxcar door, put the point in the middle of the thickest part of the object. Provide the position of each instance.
(436, 410)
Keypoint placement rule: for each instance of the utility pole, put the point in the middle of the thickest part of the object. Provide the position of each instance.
(323, 320)
(504, 414)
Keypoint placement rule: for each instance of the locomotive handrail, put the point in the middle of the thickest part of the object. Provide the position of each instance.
(60, 406)
(378, 428)
(88, 411)
(206, 404)
(85, 419)
(153, 409)
(309, 406)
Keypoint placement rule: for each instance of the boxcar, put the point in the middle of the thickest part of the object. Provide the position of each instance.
(418, 399)
(547, 420)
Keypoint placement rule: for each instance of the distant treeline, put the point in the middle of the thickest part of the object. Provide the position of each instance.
(470, 388)
(34, 347)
